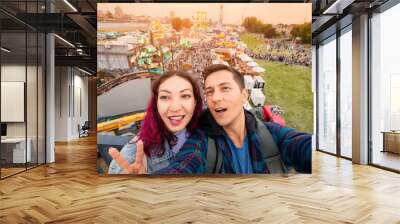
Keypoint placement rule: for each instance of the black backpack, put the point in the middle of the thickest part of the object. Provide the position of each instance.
(268, 148)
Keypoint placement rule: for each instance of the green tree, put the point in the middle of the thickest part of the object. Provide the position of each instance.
(269, 31)
(109, 15)
(186, 23)
(250, 23)
(303, 31)
(254, 25)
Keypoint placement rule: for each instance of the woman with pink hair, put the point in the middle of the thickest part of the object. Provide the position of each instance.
(171, 118)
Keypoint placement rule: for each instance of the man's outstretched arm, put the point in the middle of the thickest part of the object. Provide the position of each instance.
(294, 146)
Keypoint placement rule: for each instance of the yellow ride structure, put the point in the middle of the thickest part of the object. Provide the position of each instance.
(119, 122)
(201, 20)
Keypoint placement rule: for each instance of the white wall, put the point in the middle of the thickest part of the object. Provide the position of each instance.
(12, 73)
(70, 83)
(80, 94)
(12, 101)
(61, 103)
(33, 126)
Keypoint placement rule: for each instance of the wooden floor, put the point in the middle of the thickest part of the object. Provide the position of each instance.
(387, 159)
(5, 172)
(70, 191)
(10, 171)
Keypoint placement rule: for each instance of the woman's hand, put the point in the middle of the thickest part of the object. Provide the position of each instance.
(140, 164)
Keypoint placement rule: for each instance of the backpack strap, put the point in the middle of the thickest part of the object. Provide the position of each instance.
(269, 149)
(258, 112)
(214, 157)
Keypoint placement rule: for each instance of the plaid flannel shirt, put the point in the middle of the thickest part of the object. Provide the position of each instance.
(294, 146)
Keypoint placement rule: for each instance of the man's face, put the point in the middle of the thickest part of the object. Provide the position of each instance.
(224, 97)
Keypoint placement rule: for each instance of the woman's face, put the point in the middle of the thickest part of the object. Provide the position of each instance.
(175, 103)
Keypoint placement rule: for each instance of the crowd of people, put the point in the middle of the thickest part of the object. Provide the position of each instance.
(300, 58)
(198, 57)
(177, 133)
(286, 52)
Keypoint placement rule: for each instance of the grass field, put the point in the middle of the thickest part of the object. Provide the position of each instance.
(251, 40)
(288, 86)
(254, 43)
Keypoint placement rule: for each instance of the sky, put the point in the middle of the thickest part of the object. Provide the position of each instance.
(273, 13)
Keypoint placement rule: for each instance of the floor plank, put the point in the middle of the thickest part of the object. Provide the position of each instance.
(70, 191)
(387, 159)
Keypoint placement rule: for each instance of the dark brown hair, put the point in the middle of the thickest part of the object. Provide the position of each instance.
(237, 76)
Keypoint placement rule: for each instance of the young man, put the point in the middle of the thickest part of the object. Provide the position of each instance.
(237, 136)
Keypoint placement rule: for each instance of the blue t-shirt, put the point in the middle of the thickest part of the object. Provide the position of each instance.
(241, 157)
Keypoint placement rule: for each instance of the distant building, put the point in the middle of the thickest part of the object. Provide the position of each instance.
(113, 56)
(284, 29)
(221, 14)
(118, 13)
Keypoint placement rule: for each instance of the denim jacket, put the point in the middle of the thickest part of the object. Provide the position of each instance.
(154, 163)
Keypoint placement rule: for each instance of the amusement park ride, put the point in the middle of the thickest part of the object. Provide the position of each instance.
(201, 20)
(120, 123)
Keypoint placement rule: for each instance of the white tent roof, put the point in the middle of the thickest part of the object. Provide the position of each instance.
(128, 39)
(252, 64)
(165, 49)
(248, 81)
(257, 97)
(258, 69)
(259, 79)
(245, 58)
(215, 62)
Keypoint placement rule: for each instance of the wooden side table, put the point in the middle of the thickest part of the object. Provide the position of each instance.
(391, 141)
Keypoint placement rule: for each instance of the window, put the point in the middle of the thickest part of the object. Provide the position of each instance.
(385, 87)
(346, 92)
(327, 95)
(22, 67)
